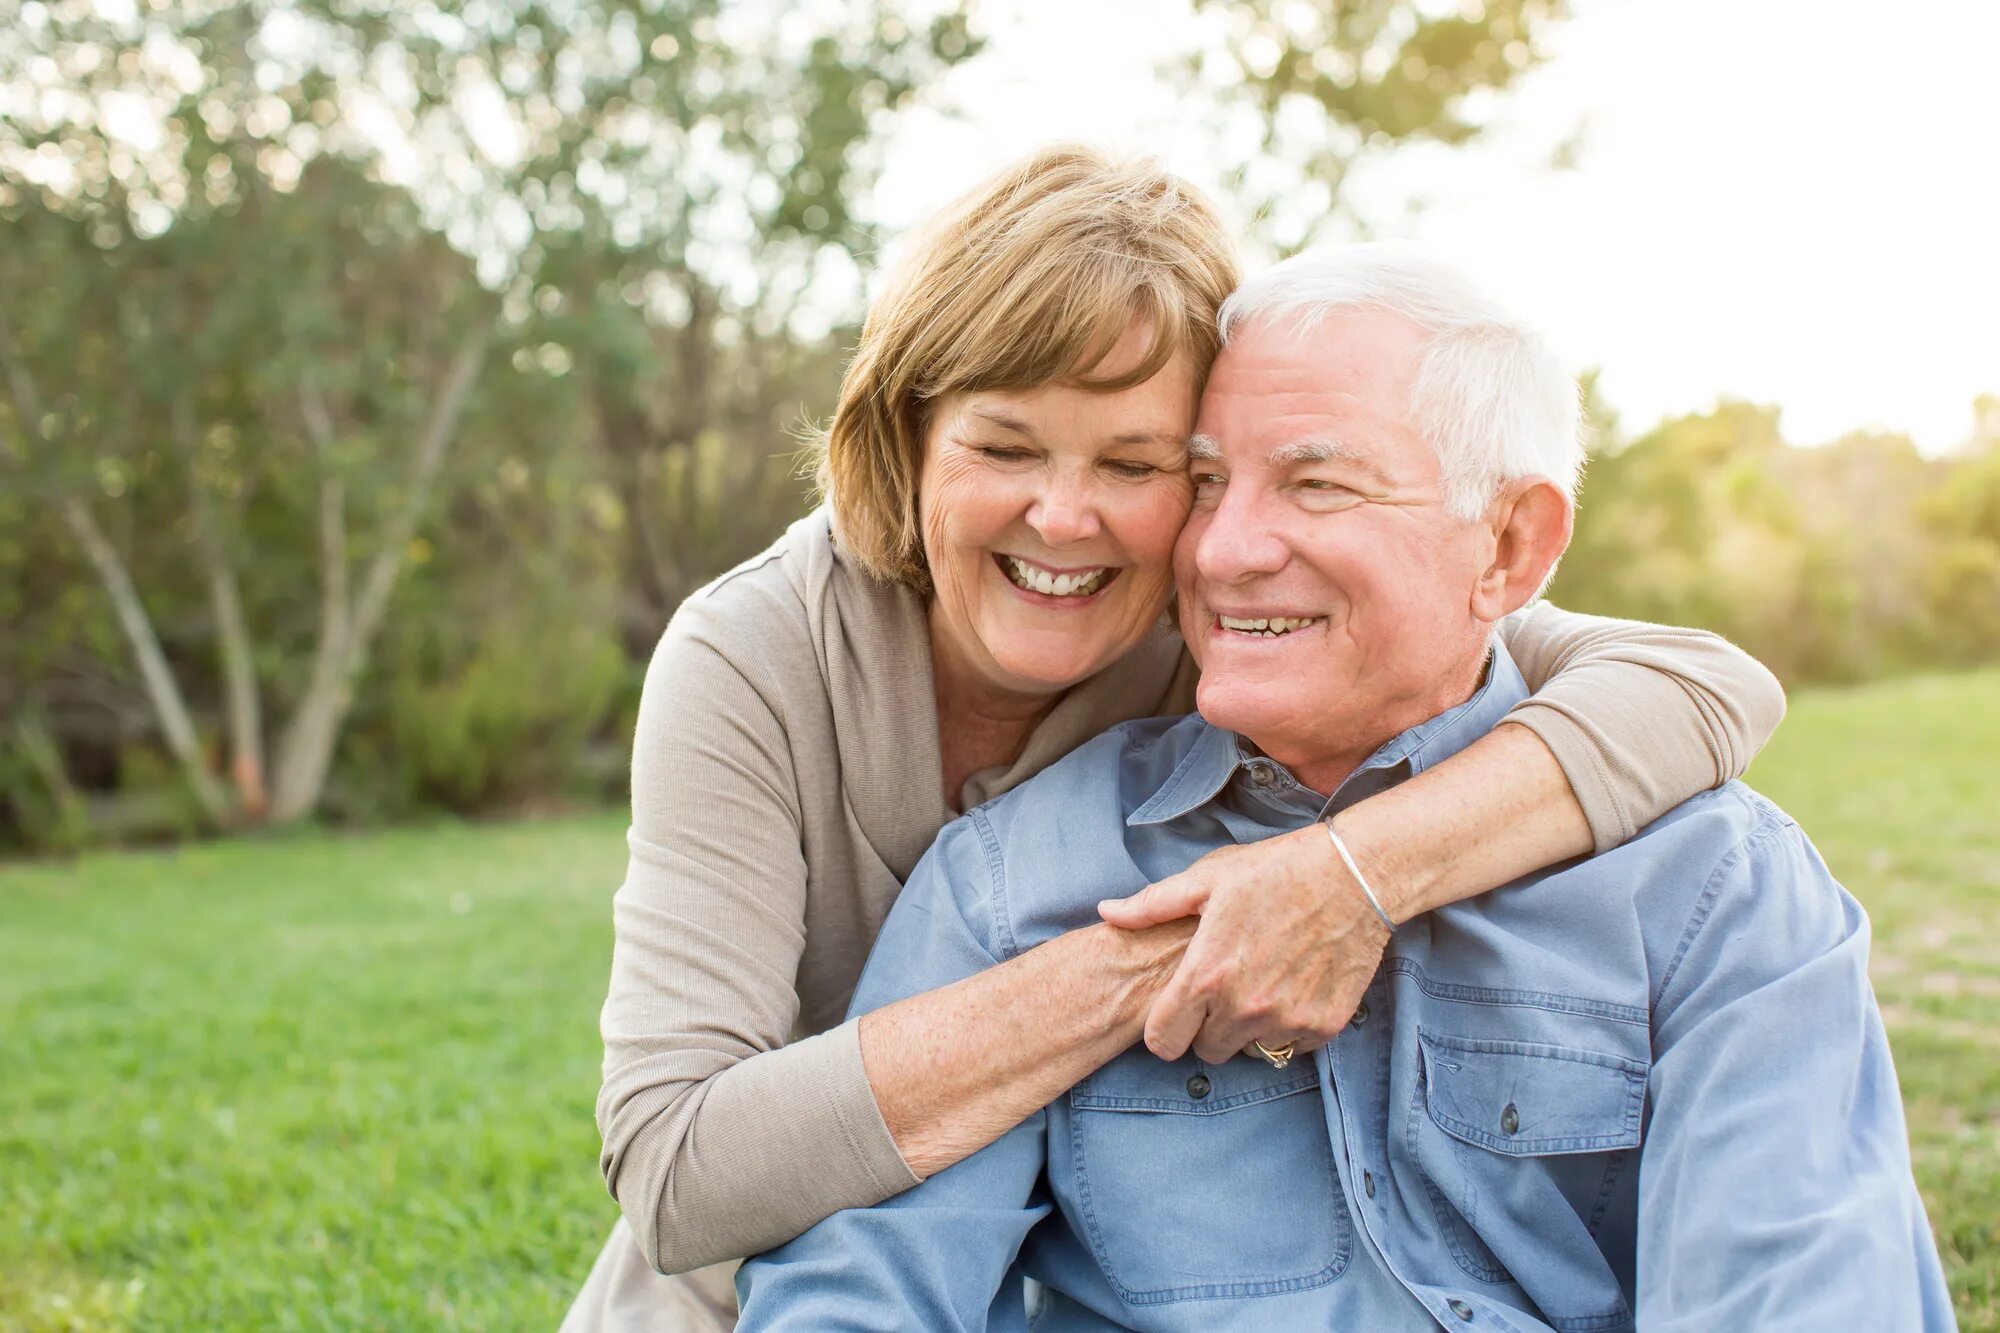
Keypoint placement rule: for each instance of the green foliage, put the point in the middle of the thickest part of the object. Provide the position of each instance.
(1840, 562)
(1325, 88)
(35, 786)
(364, 1100)
(1962, 580)
(235, 340)
(506, 725)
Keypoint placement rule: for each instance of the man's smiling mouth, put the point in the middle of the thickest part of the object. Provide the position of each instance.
(1266, 627)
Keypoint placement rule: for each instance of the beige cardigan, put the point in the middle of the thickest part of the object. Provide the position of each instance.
(786, 779)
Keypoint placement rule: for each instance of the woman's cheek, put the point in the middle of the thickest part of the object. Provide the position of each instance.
(946, 495)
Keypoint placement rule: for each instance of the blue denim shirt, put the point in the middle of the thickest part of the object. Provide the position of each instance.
(1650, 1088)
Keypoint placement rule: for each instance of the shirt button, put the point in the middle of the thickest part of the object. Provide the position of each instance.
(1262, 775)
(1368, 1183)
(1360, 1016)
(1461, 1309)
(1198, 1086)
(1510, 1119)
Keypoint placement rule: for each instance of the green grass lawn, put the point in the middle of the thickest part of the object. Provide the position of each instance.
(346, 1082)
(1899, 786)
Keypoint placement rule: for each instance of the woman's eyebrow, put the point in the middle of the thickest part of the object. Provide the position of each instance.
(1004, 420)
(1170, 438)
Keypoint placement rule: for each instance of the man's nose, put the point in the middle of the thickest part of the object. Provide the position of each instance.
(1064, 512)
(1238, 542)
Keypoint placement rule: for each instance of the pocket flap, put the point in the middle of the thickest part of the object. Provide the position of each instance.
(1529, 1099)
(1140, 1081)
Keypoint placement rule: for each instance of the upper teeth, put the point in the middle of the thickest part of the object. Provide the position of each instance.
(1270, 627)
(1079, 584)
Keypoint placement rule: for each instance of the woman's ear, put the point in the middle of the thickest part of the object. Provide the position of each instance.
(1531, 523)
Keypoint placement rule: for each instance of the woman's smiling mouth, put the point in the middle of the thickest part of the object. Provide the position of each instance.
(1074, 583)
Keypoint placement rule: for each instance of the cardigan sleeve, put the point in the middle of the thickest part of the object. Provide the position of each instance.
(1639, 716)
(709, 1118)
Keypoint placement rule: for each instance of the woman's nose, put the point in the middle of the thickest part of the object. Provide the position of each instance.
(1065, 513)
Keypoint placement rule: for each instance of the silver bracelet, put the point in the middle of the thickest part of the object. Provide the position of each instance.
(1347, 859)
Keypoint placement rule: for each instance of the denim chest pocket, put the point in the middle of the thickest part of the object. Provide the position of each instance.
(1198, 1181)
(1520, 1145)
(1531, 1099)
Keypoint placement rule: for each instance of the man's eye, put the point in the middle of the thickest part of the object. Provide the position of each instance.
(1325, 487)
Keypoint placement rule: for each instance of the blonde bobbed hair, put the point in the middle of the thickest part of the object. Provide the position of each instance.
(1031, 278)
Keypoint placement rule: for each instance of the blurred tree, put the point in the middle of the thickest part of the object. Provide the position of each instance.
(1961, 582)
(1686, 525)
(1836, 562)
(1310, 92)
(273, 215)
(1856, 502)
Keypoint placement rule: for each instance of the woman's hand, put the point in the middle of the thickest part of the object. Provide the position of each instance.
(1287, 944)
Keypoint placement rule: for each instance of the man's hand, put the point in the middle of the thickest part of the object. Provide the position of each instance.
(1285, 948)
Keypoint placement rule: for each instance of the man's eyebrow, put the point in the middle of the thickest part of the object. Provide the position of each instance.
(1203, 449)
(1322, 450)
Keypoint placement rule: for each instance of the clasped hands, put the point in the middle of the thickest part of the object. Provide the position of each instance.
(1285, 948)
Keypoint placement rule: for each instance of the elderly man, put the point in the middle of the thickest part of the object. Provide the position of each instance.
(1649, 1089)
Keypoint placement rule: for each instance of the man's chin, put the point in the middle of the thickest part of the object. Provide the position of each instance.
(1239, 706)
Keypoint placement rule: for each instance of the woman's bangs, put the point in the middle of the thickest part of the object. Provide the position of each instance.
(1165, 333)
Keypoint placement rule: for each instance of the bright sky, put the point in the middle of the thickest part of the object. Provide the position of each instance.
(1792, 201)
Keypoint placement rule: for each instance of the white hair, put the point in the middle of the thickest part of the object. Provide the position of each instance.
(1491, 396)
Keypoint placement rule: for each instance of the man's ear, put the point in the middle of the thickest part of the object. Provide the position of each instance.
(1531, 524)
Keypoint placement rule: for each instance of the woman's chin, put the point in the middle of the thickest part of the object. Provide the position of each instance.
(1053, 669)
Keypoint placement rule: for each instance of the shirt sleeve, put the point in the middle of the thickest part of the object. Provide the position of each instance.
(940, 1256)
(1640, 716)
(719, 1138)
(1775, 1189)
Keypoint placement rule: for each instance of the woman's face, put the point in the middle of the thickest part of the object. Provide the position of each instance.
(1049, 517)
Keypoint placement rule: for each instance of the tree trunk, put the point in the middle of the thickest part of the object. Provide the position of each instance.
(169, 708)
(161, 689)
(239, 667)
(305, 753)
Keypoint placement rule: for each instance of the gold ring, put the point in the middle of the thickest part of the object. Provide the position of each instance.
(1278, 1058)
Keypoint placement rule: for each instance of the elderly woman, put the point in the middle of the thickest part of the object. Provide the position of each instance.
(984, 590)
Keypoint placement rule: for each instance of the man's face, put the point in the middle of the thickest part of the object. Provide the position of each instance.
(1322, 509)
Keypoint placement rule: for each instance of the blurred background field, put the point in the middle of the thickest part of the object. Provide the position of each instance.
(375, 380)
(344, 1080)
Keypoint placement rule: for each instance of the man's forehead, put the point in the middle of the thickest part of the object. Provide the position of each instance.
(1347, 352)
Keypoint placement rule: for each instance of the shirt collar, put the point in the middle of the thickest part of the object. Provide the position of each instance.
(1214, 755)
